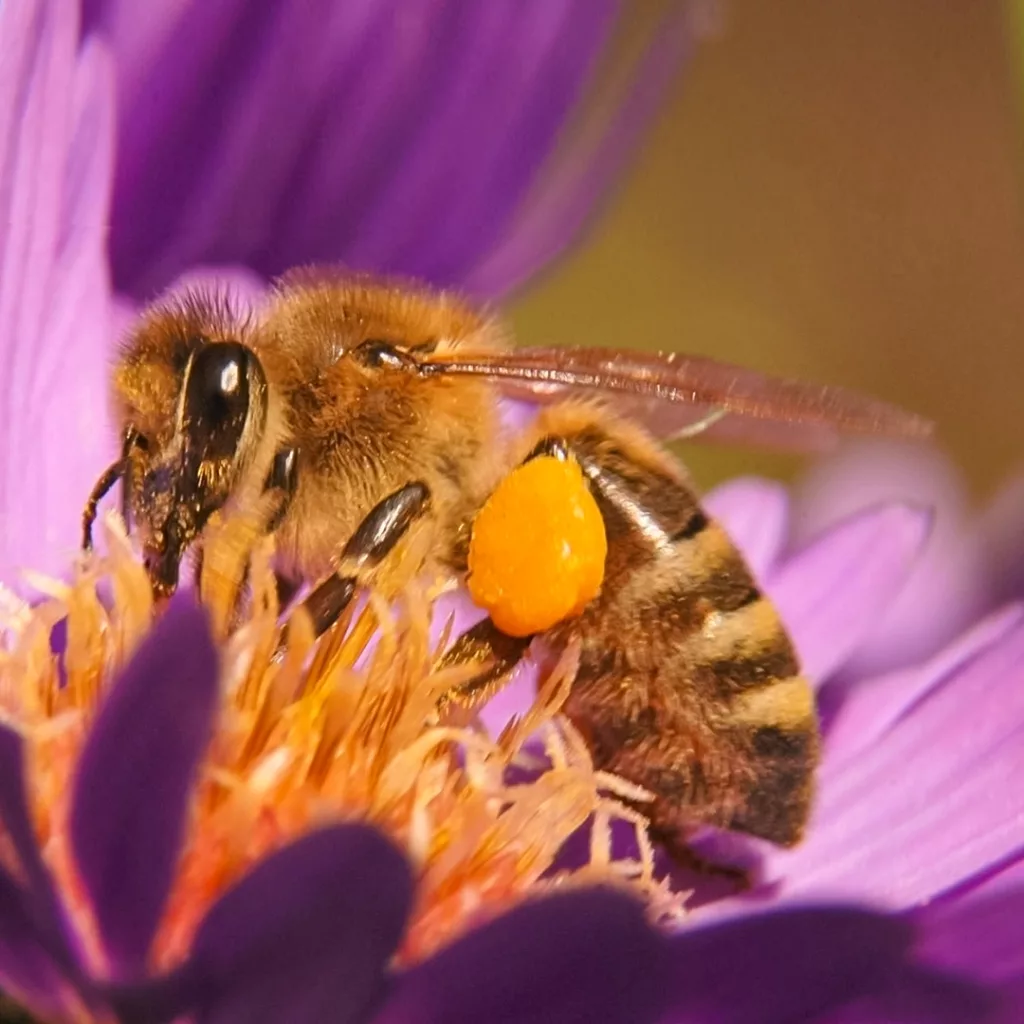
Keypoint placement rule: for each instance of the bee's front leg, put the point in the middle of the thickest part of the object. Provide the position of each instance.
(282, 478)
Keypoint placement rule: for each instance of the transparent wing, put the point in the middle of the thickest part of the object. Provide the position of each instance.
(670, 393)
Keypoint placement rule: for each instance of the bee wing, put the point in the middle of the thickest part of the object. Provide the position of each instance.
(672, 394)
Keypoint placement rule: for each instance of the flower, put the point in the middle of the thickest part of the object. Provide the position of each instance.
(404, 135)
(243, 887)
(303, 918)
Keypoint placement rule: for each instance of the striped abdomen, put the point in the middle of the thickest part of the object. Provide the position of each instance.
(688, 683)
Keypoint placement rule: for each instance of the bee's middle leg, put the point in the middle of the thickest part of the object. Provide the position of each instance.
(385, 524)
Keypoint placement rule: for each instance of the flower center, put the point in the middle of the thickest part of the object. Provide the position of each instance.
(346, 728)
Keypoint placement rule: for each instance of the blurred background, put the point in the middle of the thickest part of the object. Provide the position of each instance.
(832, 191)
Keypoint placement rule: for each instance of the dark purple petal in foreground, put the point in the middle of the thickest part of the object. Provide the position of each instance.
(832, 592)
(980, 936)
(135, 778)
(569, 959)
(28, 971)
(14, 816)
(306, 937)
(806, 964)
(415, 160)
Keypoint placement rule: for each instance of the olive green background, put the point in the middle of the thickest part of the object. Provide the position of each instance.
(833, 190)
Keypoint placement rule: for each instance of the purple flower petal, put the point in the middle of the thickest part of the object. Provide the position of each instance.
(56, 127)
(437, 213)
(871, 709)
(579, 957)
(947, 589)
(50, 918)
(413, 162)
(306, 936)
(566, 196)
(806, 965)
(929, 804)
(28, 972)
(755, 514)
(1002, 541)
(135, 778)
(832, 592)
(981, 936)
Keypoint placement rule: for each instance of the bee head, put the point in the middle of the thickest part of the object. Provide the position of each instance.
(175, 480)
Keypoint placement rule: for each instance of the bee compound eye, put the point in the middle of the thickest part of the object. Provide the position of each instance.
(217, 395)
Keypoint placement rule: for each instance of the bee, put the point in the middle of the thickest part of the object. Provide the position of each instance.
(369, 410)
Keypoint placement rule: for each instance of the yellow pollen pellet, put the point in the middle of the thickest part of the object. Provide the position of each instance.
(537, 552)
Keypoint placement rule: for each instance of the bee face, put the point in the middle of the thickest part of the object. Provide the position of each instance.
(193, 403)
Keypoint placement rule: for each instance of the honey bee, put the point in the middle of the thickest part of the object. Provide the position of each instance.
(369, 409)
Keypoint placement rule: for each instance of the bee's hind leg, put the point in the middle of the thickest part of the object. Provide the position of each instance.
(385, 524)
(496, 652)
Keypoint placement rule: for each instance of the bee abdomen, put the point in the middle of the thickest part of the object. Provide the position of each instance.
(742, 667)
(742, 653)
(688, 684)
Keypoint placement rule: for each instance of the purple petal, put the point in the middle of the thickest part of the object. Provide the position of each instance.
(580, 957)
(51, 921)
(28, 972)
(566, 196)
(832, 592)
(1002, 539)
(755, 514)
(306, 936)
(933, 802)
(981, 935)
(135, 778)
(437, 213)
(947, 589)
(869, 710)
(413, 162)
(805, 965)
(56, 127)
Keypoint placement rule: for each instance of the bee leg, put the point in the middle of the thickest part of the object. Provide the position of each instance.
(486, 645)
(110, 476)
(379, 532)
(283, 477)
(120, 470)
